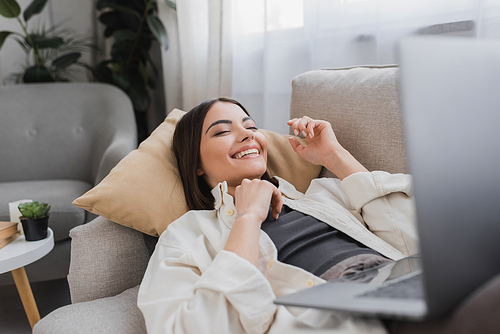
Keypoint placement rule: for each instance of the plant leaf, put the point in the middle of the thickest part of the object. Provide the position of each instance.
(121, 80)
(35, 7)
(123, 34)
(9, 8)
(171, 4)
(120, 51)
(103, 73)
(28, 213)
(122, 9)
(3, 36)
(101, 4)
(44, 43)
(66, 60)
(158, 30)
(37, 74)
(112, 20)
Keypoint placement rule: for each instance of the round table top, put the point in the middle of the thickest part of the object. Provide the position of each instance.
(20, 253)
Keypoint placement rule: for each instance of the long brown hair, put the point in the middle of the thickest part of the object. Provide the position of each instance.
(186, 146)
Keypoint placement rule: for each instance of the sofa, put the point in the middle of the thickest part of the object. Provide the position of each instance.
(108, 260)
(58, 140)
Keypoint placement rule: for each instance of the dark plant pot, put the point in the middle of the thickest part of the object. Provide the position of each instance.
(35, 229)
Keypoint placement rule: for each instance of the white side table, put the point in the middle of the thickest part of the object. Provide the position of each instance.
(14, 257)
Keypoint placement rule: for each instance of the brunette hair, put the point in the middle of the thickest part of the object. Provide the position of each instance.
(186, 146)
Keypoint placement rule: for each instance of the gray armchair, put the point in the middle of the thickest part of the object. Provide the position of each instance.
(57, 141)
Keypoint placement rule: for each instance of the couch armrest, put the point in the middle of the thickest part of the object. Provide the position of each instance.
(118, 314)
(106, 259)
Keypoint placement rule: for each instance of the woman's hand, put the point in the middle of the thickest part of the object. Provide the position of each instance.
(252, 197)
(320, 136)
(323, 148)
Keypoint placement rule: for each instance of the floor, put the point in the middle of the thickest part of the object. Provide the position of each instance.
(49, 296)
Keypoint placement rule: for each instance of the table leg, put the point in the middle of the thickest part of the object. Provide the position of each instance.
(24, 289)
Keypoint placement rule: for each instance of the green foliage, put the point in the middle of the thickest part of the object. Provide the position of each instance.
(133, 25)
(158, 30)
(3, 36)
(9, 8)
(49, 52)
(34, 210)
(34, 8)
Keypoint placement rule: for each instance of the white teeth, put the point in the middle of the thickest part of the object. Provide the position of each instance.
(247, 152)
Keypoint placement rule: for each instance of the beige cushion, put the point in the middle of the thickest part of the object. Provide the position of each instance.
(362, 104)
(144, 190)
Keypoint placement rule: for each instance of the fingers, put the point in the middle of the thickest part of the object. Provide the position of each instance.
(304, 125)
(276, 203)
(254, 196)
(296, 145)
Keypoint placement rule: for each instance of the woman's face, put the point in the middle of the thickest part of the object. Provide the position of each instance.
(227, 150)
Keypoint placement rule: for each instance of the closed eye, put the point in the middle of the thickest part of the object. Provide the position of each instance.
(220, 133)
(253, 128)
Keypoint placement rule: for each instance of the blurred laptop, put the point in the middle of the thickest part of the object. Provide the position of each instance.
(450, 97)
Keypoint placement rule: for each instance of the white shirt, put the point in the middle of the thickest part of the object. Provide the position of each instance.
(192, 285)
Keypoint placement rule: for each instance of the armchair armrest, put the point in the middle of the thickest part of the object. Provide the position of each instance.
(116, 151)
(106, 259)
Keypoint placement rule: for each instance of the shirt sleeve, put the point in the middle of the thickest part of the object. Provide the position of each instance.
(386, 204)
(230, 296)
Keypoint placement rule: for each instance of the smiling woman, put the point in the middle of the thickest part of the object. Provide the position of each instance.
(207, 156)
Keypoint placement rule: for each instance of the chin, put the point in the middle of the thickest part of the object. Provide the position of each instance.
(256, 175)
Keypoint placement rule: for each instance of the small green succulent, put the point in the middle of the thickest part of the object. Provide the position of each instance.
(34, 210)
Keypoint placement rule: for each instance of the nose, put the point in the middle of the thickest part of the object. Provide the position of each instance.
(247, 135)
(249, 138)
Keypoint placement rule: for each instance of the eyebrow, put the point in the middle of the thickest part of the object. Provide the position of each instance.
(227, 121)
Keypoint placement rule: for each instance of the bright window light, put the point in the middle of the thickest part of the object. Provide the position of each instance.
(285, 14)
(255, 16)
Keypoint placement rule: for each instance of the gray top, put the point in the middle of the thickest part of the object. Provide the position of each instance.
(309, 243)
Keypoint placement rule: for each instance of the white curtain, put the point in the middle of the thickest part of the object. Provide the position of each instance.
(275, 40)
(198, 64)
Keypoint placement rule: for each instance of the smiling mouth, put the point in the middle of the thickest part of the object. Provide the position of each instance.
(250, 152)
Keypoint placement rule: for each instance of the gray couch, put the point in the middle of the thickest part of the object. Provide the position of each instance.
(108, 260)
(57, 141)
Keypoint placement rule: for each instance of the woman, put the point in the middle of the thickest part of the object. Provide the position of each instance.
(249, 238)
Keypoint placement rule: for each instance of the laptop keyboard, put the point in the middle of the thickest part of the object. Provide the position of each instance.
(410, 288)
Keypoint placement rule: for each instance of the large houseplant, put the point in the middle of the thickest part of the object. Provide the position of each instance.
(133, 25)
(50, 52)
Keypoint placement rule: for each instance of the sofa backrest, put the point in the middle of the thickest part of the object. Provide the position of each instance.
(59, 130)
(362, 104)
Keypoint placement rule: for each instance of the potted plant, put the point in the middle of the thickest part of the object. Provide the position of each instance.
(133, 26)
(35, 220)
(50, 53)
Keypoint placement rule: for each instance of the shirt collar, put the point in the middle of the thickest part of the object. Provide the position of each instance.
(221, 195)
(287, 189)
